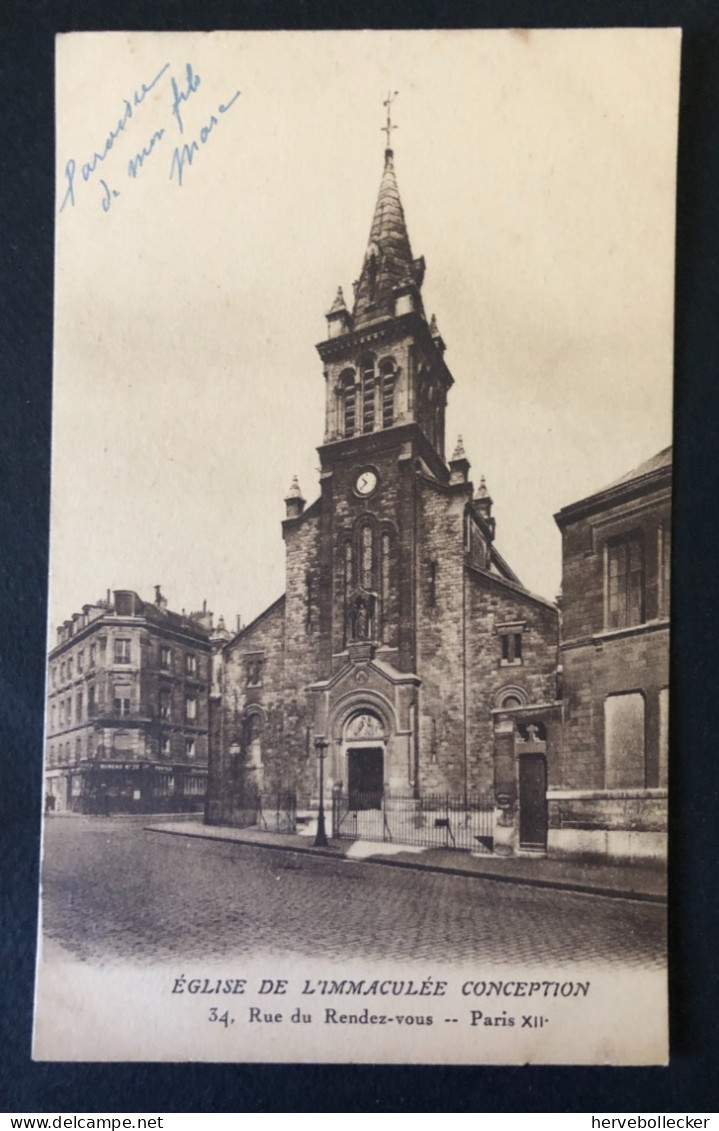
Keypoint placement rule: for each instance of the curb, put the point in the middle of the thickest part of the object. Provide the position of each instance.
(442, 869)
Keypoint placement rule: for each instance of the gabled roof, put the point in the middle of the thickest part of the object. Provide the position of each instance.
(476, 573)
(648, 474)
(655, 463)
(253, 623)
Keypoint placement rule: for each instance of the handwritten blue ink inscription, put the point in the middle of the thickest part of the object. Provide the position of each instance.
(192, 82)
(135, 163)
(101, 154)
(185, 156)
(180, 92)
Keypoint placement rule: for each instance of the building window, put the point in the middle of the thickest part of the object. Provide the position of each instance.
(349, 402)
(385, 584)
(165, 704)
(510, 649)
(78, 707)
(367, 557)
(663, 772)
(190, 664)
(62, 672)
(190, 747)
(91, 699)
(309, 599)
(253, 740)
(368, 395)
(52, 717)
(93, 655)
(348, 569)
(388, 382)
(432, 586)
(190, 707)
(78, 748)
(68, 710)
(165, 746)
(665, 568)
(165, 658)
(625, 582)
(121, 702)
(69, 669)
(81, 661)
(624, 742)
(253, 667)
(122, 651)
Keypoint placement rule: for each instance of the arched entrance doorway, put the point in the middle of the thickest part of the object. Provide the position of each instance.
(364, 743)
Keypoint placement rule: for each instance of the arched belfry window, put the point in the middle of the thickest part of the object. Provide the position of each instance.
(388, 379)
(349, 402)
(368, 394)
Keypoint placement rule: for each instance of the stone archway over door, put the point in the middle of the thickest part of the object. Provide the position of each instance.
(364, 744)
(533, 802)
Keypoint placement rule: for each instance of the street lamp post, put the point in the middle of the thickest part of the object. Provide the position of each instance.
(321, 745)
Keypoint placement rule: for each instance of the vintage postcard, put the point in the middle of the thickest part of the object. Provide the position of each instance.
(357, 698)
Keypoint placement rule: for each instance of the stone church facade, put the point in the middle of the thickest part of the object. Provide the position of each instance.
(403, 641)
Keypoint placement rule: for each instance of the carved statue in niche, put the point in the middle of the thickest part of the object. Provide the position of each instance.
(361, 618)
(364, 726)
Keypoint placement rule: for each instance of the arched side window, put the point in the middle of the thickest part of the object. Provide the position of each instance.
(388, 378)
(385, 584)
(366, 556)
(348, 570)
(349, 402)
(368, 394)
(253, 740)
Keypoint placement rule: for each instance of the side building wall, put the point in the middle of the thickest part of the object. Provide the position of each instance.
(607, 789)
(496, 608)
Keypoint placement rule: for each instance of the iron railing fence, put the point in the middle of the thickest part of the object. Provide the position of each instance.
(277, 812)
(435, 820)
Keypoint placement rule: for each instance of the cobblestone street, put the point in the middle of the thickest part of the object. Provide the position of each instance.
(114, 891)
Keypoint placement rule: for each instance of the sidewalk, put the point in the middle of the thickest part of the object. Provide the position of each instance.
(629, 881)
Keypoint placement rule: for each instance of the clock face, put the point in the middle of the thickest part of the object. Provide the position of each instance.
(366, 482)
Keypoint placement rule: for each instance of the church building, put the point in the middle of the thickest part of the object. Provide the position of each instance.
(404, 648)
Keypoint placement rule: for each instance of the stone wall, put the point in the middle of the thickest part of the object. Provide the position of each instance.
(608, 824)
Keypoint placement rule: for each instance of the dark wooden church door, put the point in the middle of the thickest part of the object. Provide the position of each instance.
(365, 777)
(533, 801)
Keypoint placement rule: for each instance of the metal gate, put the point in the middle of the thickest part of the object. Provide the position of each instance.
(431, 821)
(277, 812)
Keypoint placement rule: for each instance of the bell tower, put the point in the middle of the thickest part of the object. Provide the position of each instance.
(386, 385)
(383, 361)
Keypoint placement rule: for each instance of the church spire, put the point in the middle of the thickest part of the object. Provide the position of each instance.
(388, 268)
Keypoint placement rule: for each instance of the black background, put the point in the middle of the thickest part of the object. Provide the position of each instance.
(27, 31)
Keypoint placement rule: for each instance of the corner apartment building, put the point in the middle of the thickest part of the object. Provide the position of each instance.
(127, 708)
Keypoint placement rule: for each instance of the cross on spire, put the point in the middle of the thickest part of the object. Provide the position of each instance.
(391, 95)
